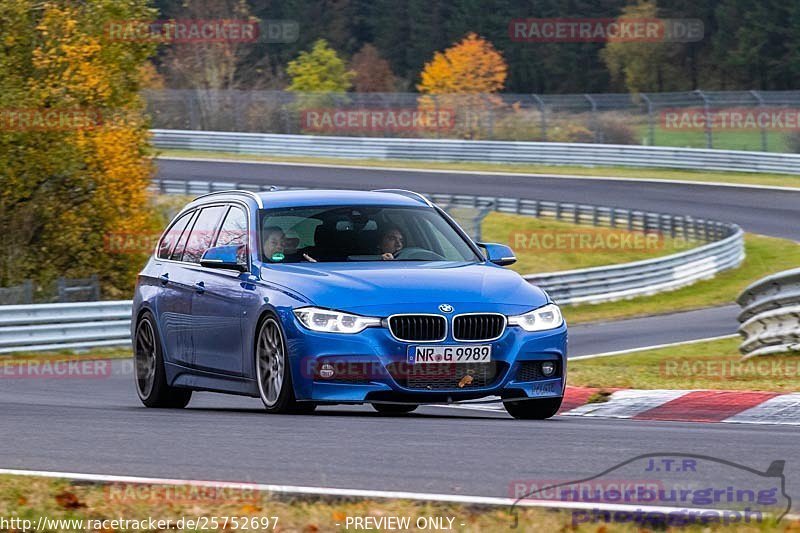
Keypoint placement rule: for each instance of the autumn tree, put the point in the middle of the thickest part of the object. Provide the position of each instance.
(462, 79)
(319, 70)
(372, 72)
(642, 65)
(67, 184)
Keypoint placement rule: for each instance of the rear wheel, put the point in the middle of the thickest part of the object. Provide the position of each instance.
(149, 372)
(273, 373)
(538, 409)
(393, 408)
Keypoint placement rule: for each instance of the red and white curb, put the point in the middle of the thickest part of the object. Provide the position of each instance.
(741, 407)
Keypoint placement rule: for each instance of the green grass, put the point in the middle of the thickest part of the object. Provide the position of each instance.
(702, 365)
(765, 255)
(533, 241)
(721, 140)
(30, 498)
(747, 178)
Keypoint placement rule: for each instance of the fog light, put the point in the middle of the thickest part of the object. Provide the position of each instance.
(326, 371)
(548, 368)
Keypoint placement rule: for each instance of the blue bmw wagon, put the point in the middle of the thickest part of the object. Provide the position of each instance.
(307, 298)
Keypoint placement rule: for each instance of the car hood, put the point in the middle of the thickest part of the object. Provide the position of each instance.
(380, 289)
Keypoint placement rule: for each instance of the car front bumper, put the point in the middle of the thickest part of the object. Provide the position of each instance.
(372, 366)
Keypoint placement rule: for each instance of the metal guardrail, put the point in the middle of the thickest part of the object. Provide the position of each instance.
(64, 325)
(770, 317)
(544, 153)
(97, 324)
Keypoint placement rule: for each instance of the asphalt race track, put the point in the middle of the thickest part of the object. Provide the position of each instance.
(98, 426)
(764, 211)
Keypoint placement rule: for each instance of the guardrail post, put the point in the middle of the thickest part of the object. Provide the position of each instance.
(760, 101)
(597, 136)
(707, 112)
(651, 129)
(542, 118)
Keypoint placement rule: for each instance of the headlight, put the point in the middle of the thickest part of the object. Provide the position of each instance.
(544, 318)
(329, 321)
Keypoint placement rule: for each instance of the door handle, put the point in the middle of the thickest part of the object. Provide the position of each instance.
(164, 278)
(200, 287)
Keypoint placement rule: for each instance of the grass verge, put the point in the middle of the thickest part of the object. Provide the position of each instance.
(66, 355)
(28, 498)
(765, 256)
(700, 176)
(703, 365)
(547, 245)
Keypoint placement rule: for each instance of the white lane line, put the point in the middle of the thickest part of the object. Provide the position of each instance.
(490, 173)
(354, 493)
(654, 347)
(782, 410)
(627, 403)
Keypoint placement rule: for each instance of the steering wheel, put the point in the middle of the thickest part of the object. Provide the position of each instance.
(420, 254)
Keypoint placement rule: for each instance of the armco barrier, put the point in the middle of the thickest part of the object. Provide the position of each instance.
(64, 326)
(96, 324)
(543, 153)
(770, 317)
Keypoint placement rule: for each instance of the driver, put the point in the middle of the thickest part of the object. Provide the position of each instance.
(392, 241)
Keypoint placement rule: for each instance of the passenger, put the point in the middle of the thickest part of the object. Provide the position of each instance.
(279, 248)
(392, 241)
(274, 243)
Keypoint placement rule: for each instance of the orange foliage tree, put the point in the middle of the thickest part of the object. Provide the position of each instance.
(462, 79)
(69, 185)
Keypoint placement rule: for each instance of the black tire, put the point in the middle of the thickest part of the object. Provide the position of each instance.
(273, 371)
(393, 408)
(149, 373)
(539, 409)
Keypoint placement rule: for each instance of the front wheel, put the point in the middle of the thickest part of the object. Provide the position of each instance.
(393, 408)
(273, 374)
(538, 409)
(151, 378)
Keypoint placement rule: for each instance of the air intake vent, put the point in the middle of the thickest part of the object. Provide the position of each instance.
(416, 328)
(478, 327)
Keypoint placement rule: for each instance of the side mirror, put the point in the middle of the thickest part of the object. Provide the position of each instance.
(224, 257)
(499, 254)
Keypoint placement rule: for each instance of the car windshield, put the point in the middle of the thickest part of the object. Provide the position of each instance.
(360, 233)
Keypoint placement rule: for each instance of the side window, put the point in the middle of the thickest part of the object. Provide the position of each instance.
(171, 236)
(234, 229)
(234, 232)
(203, 232)
(177, 252)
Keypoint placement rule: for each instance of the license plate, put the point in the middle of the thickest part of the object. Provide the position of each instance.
(449, 354)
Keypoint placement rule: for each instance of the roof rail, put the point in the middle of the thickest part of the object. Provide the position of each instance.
(251, 194)
(408, 194)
